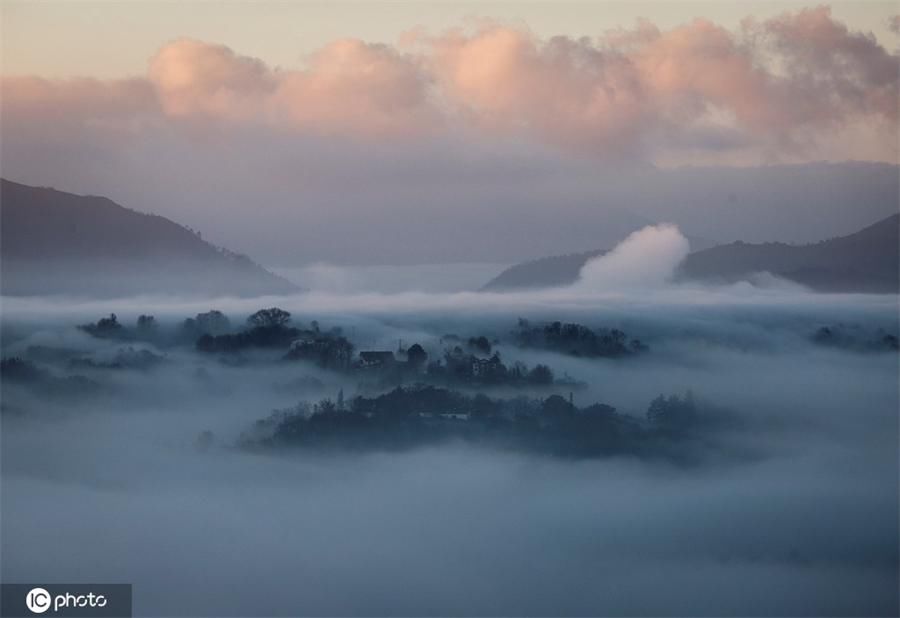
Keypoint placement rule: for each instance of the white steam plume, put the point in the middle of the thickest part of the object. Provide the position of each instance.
(647, 258)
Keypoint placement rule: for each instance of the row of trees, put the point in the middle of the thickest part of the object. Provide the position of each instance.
(214, 323)
(462, 367)
(856, 338)
(577, 340)
(423, 414)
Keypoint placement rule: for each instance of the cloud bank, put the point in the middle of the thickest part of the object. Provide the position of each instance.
(800, 85)
(646, 259)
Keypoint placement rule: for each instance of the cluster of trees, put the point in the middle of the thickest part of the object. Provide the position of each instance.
(15, 370)
(856, 338)
(673, 413)
(469, 362)
(267, 328)
(331, 350)
(409, 417)
(212, 322)
(461, 367)
(328, 350)
(105, 328)
(577, 340)
(145, 328)
(480, 345)
(124, 358)
(271, 328)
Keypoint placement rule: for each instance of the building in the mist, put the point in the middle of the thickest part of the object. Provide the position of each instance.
(375, 359)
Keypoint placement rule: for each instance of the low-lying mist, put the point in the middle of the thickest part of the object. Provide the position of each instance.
(142, 473)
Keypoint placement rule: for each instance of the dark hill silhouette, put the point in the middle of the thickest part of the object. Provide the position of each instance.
(866, 261)
(545, 272)
(57, 242)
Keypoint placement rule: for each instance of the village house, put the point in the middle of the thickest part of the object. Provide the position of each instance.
(376, 359)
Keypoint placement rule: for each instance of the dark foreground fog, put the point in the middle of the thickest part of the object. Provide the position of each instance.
(150, 468)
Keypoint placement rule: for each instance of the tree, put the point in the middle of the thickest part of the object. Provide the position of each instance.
(541, 374)
(673, 412)
(146, 324)
(269, 318)
(326, 406)
(599, 410)
(104, 327)
(327, 351)
(16, 369)
(206, 343)
(555, 406)
(480, 344)
(656, 412)
(416, 355)
(212, 322)
(519, 370)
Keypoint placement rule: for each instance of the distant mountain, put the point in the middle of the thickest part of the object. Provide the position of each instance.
(53, 242)
(545, 272)
(866, 261)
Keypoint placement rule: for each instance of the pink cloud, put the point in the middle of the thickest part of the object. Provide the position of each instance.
(356, 88)
(193, 78)
(349, 87)
(784, 85)
(773, 82)
(832, 72)
(562, 90)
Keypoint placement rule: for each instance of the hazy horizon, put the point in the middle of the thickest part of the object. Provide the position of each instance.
(428, 134)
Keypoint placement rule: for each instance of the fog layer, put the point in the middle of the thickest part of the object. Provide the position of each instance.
(790, 510)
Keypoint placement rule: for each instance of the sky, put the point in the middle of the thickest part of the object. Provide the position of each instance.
(281, 33)
(428, 132)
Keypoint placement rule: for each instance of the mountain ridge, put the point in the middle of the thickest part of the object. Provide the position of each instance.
(862, 261)
(52, 241)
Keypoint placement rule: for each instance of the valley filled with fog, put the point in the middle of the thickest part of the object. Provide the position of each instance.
(519, 308)
(749, 464)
